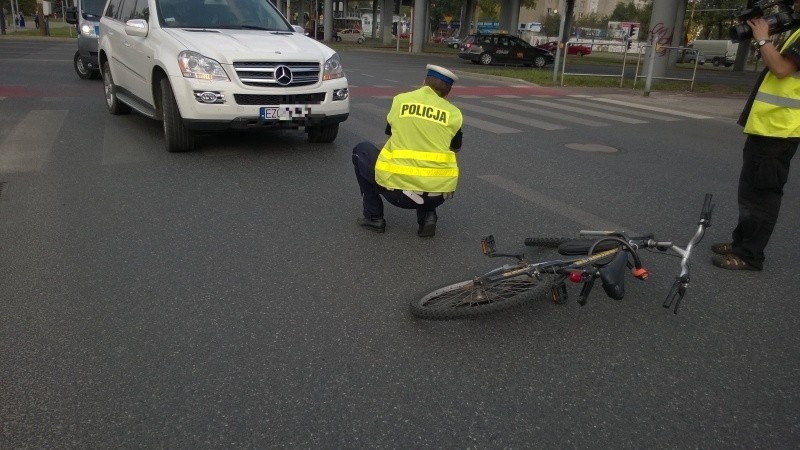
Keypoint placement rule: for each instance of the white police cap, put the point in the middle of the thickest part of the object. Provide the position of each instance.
(442, 74)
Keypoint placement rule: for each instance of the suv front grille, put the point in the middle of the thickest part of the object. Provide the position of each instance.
(299, 99)
(289, 74)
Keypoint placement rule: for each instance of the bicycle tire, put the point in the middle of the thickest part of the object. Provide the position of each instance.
(548, 242)
(467, 299)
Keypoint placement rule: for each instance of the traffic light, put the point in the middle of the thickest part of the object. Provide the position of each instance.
(394, 28)
(629, 44)
(634, 33)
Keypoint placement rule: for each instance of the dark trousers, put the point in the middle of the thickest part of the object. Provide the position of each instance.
(365, 155)
(765, 170)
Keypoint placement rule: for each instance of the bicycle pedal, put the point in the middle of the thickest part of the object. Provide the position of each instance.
(487, 245)
(558, 293)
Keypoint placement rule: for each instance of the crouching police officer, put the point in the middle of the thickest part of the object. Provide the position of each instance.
(416, 169)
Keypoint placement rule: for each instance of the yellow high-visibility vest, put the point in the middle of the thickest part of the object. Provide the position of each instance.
(776, 108)
(417, 156)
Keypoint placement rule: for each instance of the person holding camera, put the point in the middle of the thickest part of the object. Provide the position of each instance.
(771, 120)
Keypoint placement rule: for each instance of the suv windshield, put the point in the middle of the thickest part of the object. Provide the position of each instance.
(233, 14)
(92, 8)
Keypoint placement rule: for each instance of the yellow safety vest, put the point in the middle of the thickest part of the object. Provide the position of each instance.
(776, 108)
(417, 156)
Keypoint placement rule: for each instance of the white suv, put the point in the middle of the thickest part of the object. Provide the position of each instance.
(203, 65)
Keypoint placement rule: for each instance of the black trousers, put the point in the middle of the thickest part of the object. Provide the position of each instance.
(765, 170)
(365, 155)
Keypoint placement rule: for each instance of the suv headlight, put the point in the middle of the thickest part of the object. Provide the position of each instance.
(195, 65)
(88, 30)
(332, 68)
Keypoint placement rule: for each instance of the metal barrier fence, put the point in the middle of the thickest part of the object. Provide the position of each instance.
(649, 76)
(624, 47)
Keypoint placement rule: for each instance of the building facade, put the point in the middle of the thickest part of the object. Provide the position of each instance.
(545, 8)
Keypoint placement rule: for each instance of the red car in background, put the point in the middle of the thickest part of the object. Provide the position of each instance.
(572, 48)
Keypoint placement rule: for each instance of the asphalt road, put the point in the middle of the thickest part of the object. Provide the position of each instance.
(225, 298)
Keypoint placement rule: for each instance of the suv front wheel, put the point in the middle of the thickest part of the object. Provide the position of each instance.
(177, 137)
(322, 134)
(112, 102)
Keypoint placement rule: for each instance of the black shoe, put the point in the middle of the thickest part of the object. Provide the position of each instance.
(427, 227)
(377, 225)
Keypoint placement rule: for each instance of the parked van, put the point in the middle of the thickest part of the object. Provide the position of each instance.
(719, 52)
(85, 15)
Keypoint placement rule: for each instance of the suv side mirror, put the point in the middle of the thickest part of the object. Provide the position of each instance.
(136, 27)
(299, 29)
(71, 15)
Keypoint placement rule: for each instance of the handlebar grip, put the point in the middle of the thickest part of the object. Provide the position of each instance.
(708, 208)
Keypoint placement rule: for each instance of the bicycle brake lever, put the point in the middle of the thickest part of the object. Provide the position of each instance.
(676, 294)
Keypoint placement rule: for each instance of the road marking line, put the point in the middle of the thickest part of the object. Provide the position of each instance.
(489, 126)
(30, 142)
(653, 108)
(583, 111)
(583, 218)
(546, 113)
(618, 109)
(511, 117)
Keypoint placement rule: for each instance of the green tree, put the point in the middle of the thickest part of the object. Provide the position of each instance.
(551, 24)
(441, 8)
(592, 21)
(490, 9)
(28, 7)
(712, 18)
(628, 12)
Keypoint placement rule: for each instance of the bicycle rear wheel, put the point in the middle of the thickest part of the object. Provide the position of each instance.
(470, 299)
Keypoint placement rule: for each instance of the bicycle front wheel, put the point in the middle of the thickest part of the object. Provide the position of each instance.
(471, 299)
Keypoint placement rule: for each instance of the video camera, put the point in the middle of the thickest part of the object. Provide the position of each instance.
(784, 18)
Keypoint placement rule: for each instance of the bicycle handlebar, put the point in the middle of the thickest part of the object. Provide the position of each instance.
(632, 245)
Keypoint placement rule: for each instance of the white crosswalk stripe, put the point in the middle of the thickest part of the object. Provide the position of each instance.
(605, 107)
(27, 147)
(499, 114)
(558, 113)
(652, 108)
(583, 111)
(509, 117)
(545, 113)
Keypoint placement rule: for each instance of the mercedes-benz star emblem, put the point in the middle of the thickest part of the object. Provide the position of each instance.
(283, 75)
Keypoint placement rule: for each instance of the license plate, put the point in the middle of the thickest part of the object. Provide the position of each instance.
(284, 112)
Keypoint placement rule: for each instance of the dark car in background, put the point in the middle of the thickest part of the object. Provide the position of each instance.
(572, 48)
(503, 49)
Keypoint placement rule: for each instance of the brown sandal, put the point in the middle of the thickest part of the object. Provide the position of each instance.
(732, 262)
(722, 249)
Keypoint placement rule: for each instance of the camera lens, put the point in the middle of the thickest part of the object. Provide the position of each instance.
(740, 32)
